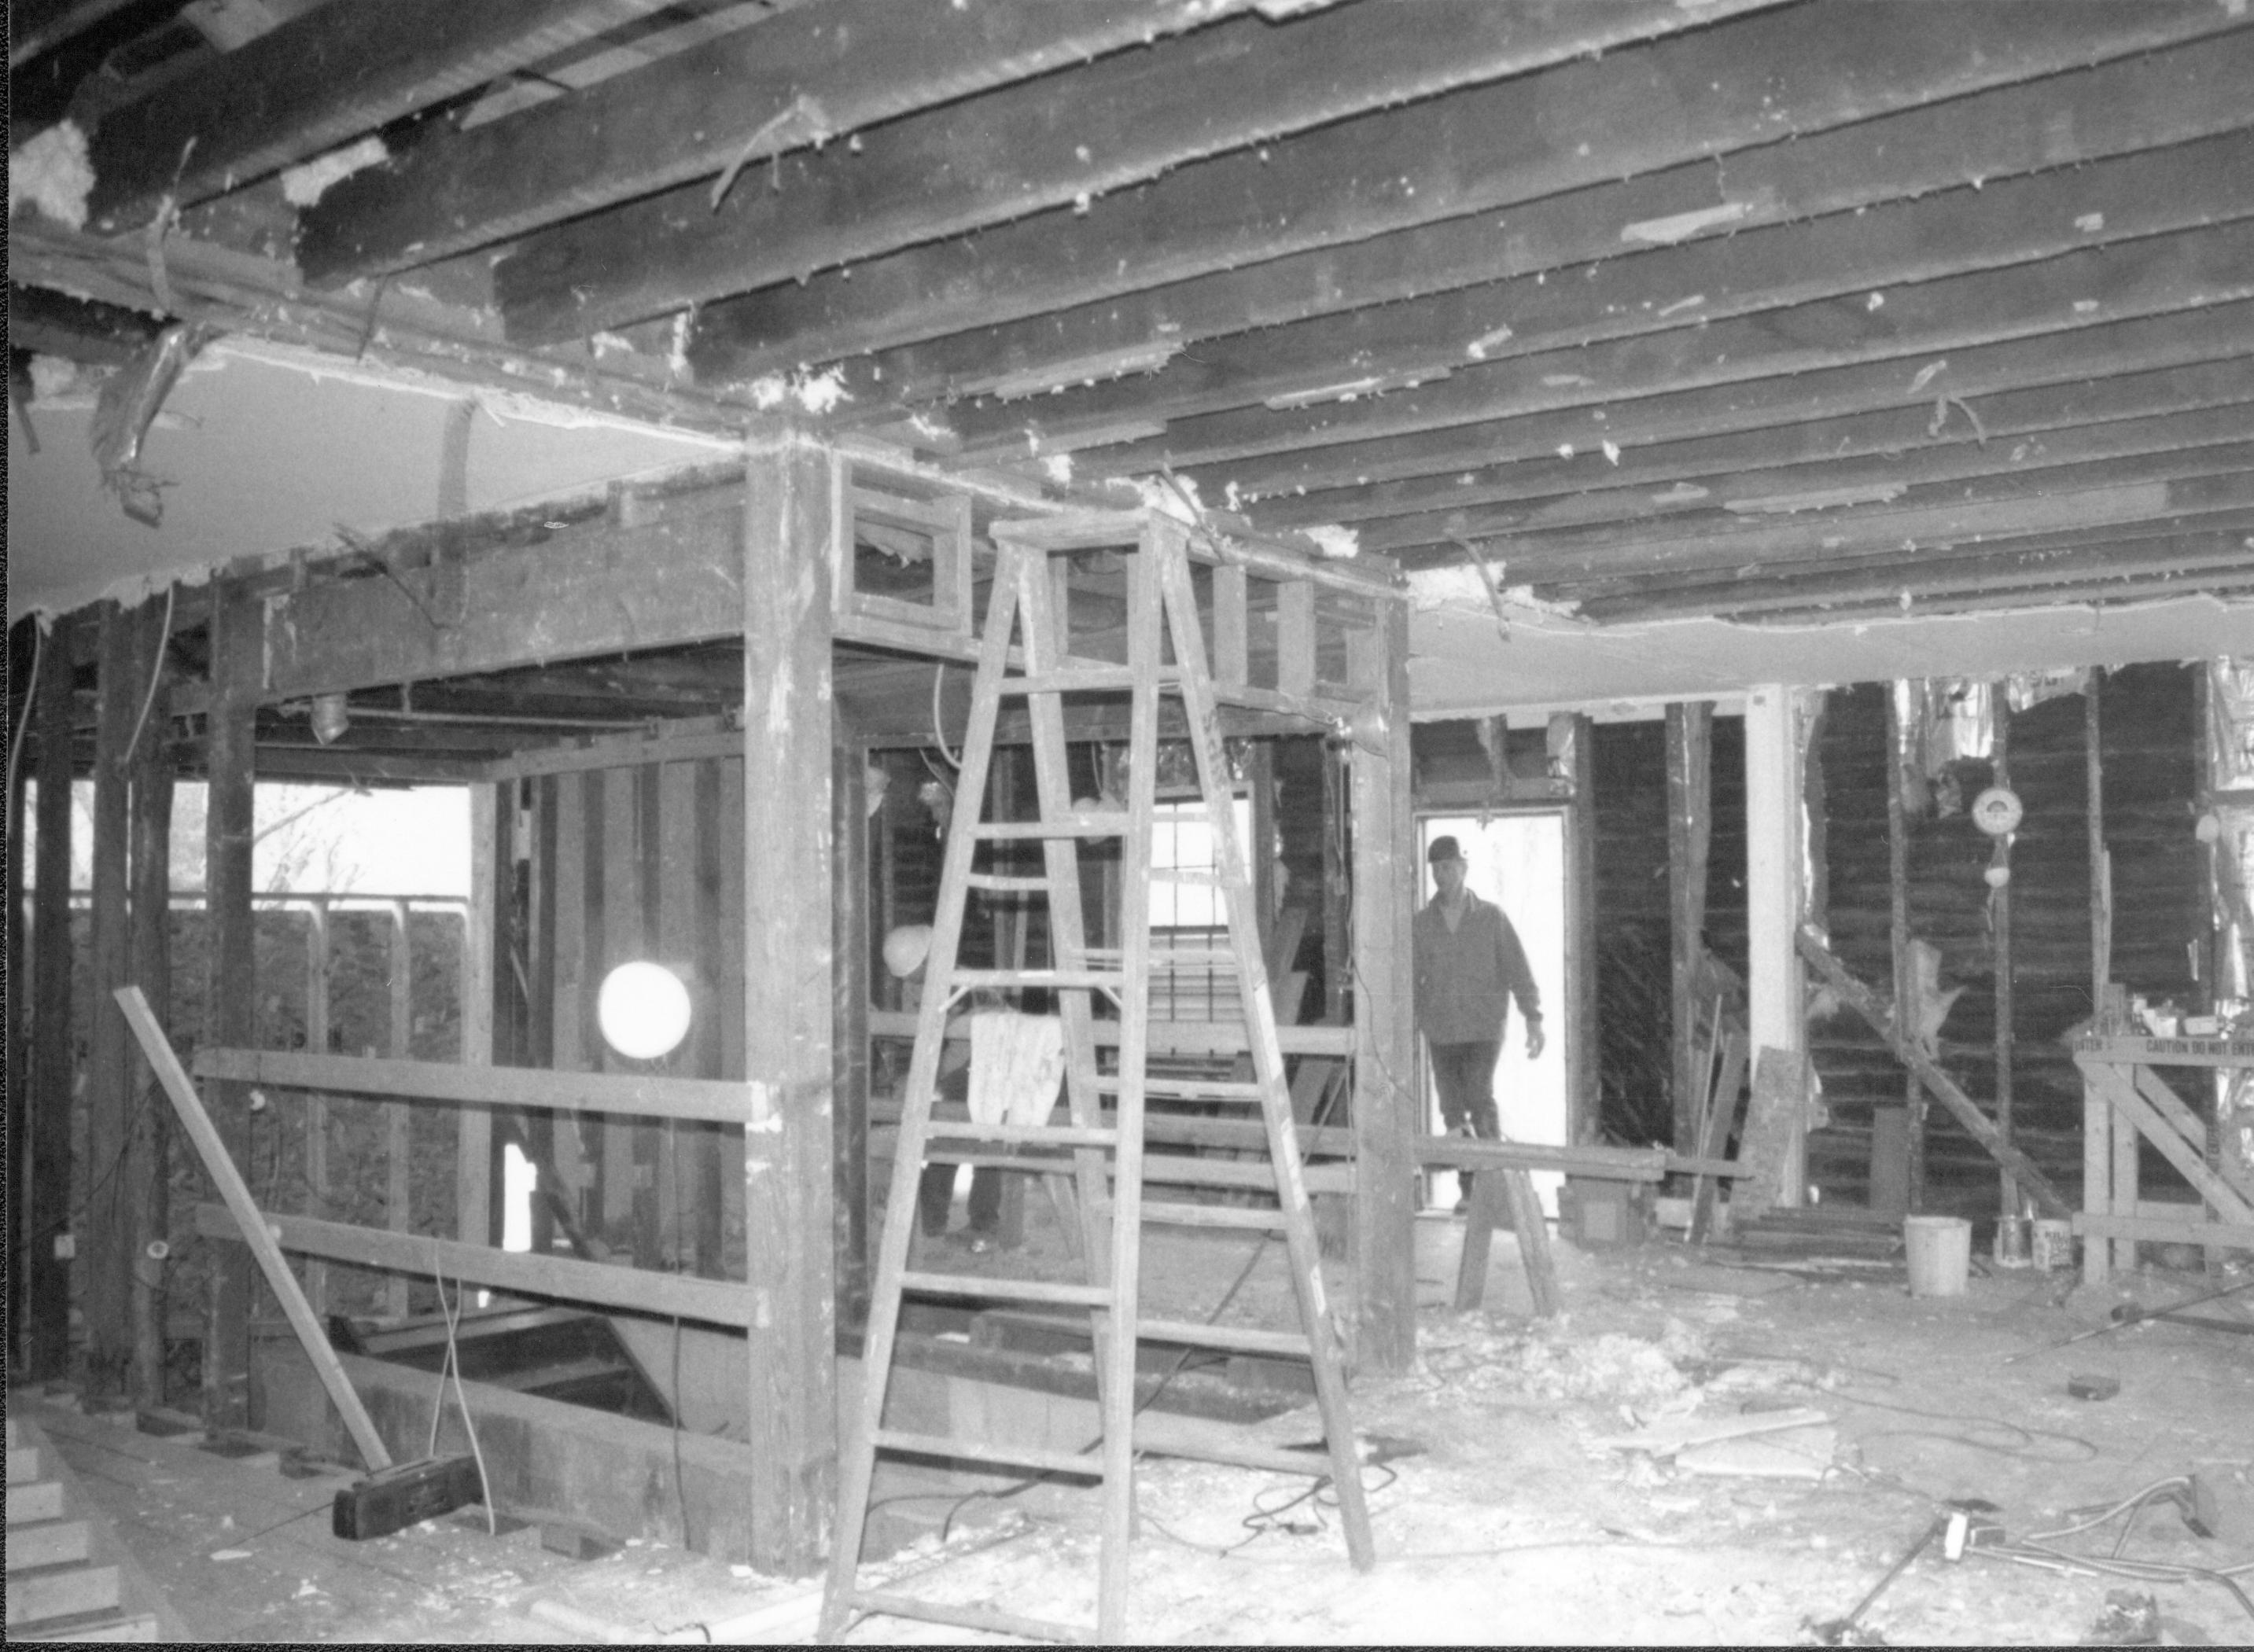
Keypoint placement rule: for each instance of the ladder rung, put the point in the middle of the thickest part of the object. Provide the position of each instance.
(1237, 1338)
(971, 1284)
(975, 1451)
(1073, 680)
(908, 1606)
(1182, 1170)
(1043, 1164)
(1035, 1135)
(1107, 823)
(1176, 1214)
(1105, 980)
(1009, 881)
(1187, 1089)
(1195, 877)
(1170, 958)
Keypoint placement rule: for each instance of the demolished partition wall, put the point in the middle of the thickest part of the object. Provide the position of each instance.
(731, 846)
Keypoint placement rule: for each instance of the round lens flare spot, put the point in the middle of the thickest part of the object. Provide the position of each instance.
(643, 1010)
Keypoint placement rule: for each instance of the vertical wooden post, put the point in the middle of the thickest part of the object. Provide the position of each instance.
(620, 868)
(789, 985)
(237, 663)
(145, 1172)
(849, 1059)
(47, 1210)
(677, 935)
(317, 1101)
(1690, 837)
(2118, 1136)
(491, 827)
(24, 642)
(399, 1116)
(723, 1001)
(1260, 782)
(1386, 1105)
(1295, 636)
(1898, 928)
(107, 1232)
(1999, 908)
(1775, 894)
(1571, 736)
(539, 1047)
(1339, 886)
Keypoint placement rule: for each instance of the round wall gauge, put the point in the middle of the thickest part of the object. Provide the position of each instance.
(1997, 811)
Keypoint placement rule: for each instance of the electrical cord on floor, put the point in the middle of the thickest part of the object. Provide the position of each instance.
(452, 1314)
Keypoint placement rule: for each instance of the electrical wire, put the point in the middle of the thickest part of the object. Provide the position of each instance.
(452, 1314)
(156, 676)
(938, 733)
(30, 698)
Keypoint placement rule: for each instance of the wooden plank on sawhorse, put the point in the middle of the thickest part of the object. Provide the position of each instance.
(1497, 1195)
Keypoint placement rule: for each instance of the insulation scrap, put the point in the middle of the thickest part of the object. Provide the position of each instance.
(128, 406)
(1338, 544)
(305, 185)
(52, 173)
(816, 392)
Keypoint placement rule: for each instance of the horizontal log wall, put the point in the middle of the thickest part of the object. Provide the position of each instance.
(2150, 757)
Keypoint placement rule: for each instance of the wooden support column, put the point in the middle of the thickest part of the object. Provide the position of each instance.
(316, 1104)
(789, 989)
(492, 818)
(46, 1213)
(399, 1116)
(231, 1006)
(23, 673)
(106, 1233)
(2000, 913)
(1571, 749)
(1260, 784)
(1337, 892)
(1689, 835)
(145, 1174)
(849, 1058)
(1386, 1104)
(1898, 759)
(1775, 894)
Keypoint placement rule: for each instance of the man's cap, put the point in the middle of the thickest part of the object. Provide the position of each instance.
(1443, 849)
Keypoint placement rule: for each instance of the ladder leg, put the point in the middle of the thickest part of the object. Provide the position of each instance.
(857, 1469)
(1202, 714)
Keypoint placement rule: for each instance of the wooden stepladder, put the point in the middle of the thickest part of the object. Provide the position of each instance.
(1024, 652)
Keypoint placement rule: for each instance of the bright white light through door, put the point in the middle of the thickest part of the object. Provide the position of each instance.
(1518, 862)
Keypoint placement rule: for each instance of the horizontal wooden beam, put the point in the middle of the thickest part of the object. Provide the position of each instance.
(1737, 85)
(2111, 493)
(633, 1095)
(1169, 1038)
(2101, 351)
(1851, 258)
(1666, 475)
(1880, 1017)
(811, 73)
(596, 588)
(635, 1290)
(2053, 299)
(2238, 1237)
(322, 79)
(1919, 460)
(2109, 568)
(2168, 97)
(1119, 121)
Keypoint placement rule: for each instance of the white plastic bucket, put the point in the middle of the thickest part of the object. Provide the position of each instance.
(1939, 1250)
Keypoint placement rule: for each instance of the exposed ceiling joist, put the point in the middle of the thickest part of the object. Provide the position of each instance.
(1734, 86)
(1040, 145)
(324, 78)
(819, 70)
(1488, 280)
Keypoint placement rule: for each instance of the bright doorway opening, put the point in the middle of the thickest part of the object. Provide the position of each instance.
(1518, 862)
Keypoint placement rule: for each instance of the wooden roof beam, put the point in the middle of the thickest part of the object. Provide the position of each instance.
(2104, 563)
(2114, 108)
(1886, 435)
(2116, 493)
(1916, 325)
(2005, 461)
(1860, 256)
(318, 80)
(1731, 86)
(727, 104)
(1039, 144)
(2177, 338)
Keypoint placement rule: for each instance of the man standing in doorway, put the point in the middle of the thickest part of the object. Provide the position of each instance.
(1469, 966)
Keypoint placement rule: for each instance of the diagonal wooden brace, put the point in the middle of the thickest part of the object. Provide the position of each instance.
(220, 1167)
(1978, 1124)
